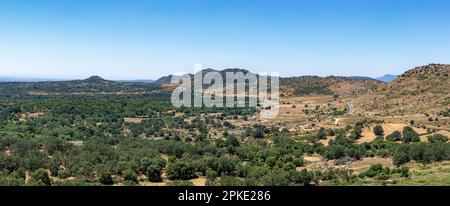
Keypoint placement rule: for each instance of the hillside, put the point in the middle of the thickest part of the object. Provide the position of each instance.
(419, 90)
(92, 85)
(331, 85)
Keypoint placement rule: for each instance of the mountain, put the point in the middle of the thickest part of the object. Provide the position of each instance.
(164, 80)
(305, 85)
(360, 78)
(419, 90)
(91, 85)
(167, 79)
(387, 78)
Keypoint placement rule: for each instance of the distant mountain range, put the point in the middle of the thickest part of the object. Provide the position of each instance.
(31, 79)
(91, 85)
(27, 79)
(136, 81)
(387, 78)
(166, 79)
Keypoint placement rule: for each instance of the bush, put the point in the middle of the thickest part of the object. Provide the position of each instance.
(373, 171)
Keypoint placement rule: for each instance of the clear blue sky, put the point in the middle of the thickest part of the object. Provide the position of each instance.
(147, 39)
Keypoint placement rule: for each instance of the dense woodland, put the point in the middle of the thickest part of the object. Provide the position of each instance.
(84, 140)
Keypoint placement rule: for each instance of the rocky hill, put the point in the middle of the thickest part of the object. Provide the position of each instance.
(331, 85)
(419, 90)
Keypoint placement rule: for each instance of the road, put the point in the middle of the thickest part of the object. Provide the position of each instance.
(351, 109)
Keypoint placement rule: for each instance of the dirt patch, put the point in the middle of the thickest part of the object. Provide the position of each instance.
(201, 181)
(313, 158)
(326, 141)
(365, 163)
(32, 115)
(389, 128)
(134, 120)
(152, 184)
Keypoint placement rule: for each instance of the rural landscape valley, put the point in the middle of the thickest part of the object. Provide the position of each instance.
(330, 130)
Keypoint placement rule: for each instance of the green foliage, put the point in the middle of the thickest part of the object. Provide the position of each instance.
(105, 177)
(409, 135)
(378, 130)
(437, 138)
(129, 175)
(356, 133)
(181, 170)
(40, 177)
(181, 183)
(395, 136)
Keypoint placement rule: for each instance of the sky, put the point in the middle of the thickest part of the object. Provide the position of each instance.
(137, 39)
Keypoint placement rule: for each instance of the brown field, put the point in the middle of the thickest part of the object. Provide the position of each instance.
(389, 128)
(365, 163)
(200, 181)
(134, 120)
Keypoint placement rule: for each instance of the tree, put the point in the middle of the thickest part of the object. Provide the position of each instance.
(40, 177)
(401, 155)
(230, 181)
(437, 138)
(409, 135)
(154, 173)
(322, 133)
(232, 141)
(105, 177)
(54, 166)
(259, 131)
(129, 175)
(356, 133)
(330, 132)
(395, 136)
(181, 170)
(378, 130)
(302, 178)
(211, 174)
